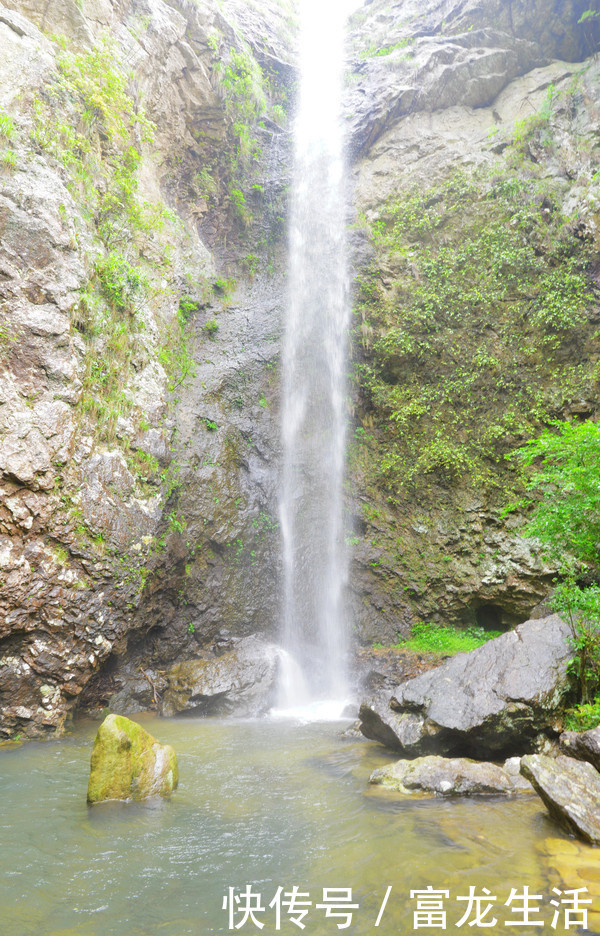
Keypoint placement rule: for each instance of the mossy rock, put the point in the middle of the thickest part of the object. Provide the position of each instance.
(129, 764)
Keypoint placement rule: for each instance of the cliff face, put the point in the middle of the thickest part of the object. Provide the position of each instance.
(139, 148)
(476, 314)
(144, 163)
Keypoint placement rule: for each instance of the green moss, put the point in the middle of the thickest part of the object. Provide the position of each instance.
(375, 51)
(127, 763)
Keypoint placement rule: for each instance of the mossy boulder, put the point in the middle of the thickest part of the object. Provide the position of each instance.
(129, 764)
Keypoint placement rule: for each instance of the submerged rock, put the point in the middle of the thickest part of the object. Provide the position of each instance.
(569, 864)
(492, 701)
(570, 790)
(129, 764)
(239, 682)
(584, 745)
(452, 776)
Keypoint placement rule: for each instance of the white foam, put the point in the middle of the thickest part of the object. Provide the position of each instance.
(320, 710)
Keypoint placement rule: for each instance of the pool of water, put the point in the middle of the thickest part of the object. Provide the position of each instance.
(265, 803)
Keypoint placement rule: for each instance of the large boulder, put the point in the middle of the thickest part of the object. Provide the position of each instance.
(570, 790)
(452, 776)
(129, 764)
(243, 681)
(491, 702)
(584, 745)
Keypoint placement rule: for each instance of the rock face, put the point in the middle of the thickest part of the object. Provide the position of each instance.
(583, 745)
(457, 776)
(492, 701)
(113, 259)
(449, 104)
(570, 790)
(240, 682)
(451, 53)
(129, 764)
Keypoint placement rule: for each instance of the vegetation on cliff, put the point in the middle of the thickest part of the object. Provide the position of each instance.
(476, 325)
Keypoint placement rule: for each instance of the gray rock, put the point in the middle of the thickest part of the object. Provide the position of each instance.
(240, 682)
(584, 745)
(570, 790)
(353, 732)
(449, 53)
(137, 693)
(492, 701)
(454, 776)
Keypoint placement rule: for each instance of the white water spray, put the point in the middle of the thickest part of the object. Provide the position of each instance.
(314, 362)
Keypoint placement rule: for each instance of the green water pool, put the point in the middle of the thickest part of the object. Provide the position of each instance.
(268, 804)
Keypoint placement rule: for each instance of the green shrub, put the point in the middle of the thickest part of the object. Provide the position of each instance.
(583, 717)
(562, 467)
(119, 281)
(7, 126)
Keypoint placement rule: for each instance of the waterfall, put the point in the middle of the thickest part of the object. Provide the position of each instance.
(314, 364)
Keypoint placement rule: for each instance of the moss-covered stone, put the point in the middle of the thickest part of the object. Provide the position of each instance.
(129, 764)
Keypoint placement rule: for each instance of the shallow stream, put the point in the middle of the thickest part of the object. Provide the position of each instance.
(264, 803)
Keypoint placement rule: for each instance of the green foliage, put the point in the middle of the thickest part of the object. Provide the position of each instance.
(581, 608)
(120, 282)
(175, 353)
(433, 638)
(88, 120)
(94, 78)
(224, 287)
(205, 184)
(211, 327)
(9, 159)
(250, 97)
(535, 128)
(563, 466)
(7, 126)
(459, 342)
(583, 717)
(244, 85)
(177, 522)
(374, 51)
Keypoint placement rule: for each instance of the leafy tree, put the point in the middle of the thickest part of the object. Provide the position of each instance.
(563, 464)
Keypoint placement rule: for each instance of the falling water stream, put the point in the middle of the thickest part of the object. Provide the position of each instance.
(314, 359)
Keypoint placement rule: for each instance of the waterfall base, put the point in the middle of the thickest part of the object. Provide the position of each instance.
(321, 710)
(295, 700)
